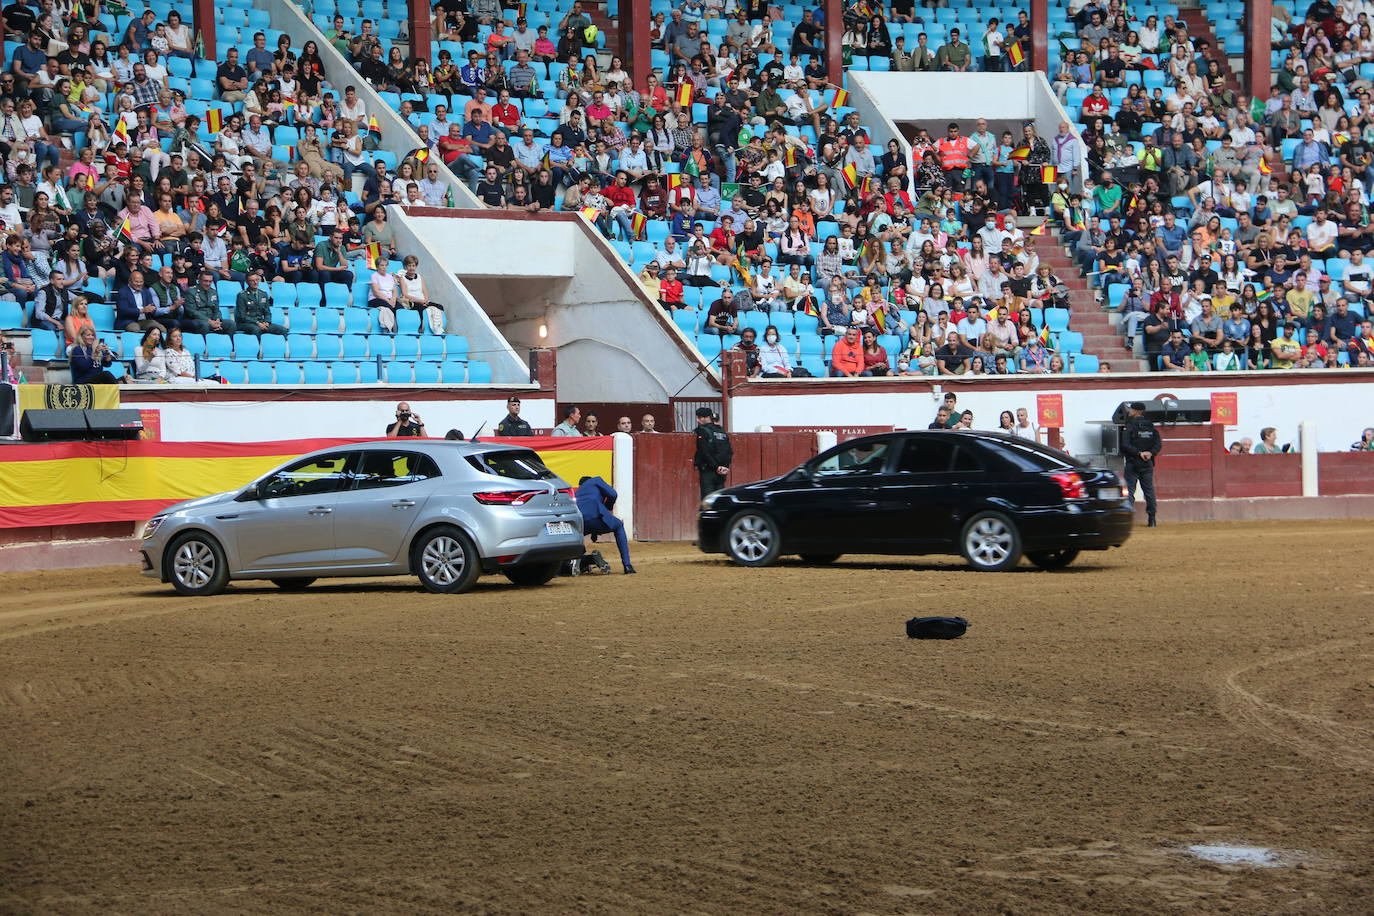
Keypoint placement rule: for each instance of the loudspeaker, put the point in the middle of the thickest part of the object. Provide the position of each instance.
(125, 423)
(53, 425)
(1169, 410)
(80, 425)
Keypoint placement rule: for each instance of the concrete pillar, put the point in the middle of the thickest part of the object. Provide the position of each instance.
(1307, 434)
(1259, 16)
(638, 52)
(1040, 34)
(203, 15)
(834, 30)
(421, 29)
(623, 479)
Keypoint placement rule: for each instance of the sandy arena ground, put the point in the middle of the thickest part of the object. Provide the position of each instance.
(703, 738)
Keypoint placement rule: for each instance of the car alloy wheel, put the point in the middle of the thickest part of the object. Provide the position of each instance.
(991, 542)
(445, 560)
(197, 565)
(753, 539)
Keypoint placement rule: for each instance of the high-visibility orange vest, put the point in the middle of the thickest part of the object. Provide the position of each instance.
(953, 153)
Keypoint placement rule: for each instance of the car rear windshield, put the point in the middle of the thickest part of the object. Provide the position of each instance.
(516, 465)
(1032, 456)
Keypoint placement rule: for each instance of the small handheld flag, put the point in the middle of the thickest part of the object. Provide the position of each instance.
(372, 125)
(1040, 229)
(840, 99)
(867, 186)
(1048, 174)
(121, 133)
(809, 307)
(850, 174)
(214, 120)
(373, 252)
(1264, 167)
(637, 223)
(126, 232)
(1020, 154)
(421, 154)
(789, 157)
(684, 95)
(1016, 55)
(674, 180)
(880, 319)
(590, 213)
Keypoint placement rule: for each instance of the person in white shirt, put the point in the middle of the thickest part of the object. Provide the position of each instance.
(972, 327)
(669, 256)
(1321, 233)
(1024, 428)
(1356, 281)
(381, 295)
(353, 108)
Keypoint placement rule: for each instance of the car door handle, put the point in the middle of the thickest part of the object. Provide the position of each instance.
(403, 504)
(224, 517)
(321, 510)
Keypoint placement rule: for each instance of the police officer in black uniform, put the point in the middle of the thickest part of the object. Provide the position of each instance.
(1140, 443)
(714, 452)
(512, 424)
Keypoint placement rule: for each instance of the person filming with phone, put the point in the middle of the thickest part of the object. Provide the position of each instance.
(407, 423)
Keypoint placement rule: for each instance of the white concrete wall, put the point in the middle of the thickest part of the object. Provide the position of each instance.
(431, 240)
(886, 99)
(397, 136)
(612, 344)
(256, 421)
(1341, 410)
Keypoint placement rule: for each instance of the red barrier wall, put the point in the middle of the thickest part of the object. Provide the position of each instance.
(666, 489)
(1344, 473)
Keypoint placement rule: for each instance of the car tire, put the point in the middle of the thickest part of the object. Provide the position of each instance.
(752, 538)
(819, 559)
(990, 542)
(298, 584)
(1052, 559)
(445, 560)
(533, 574)
(196, 565)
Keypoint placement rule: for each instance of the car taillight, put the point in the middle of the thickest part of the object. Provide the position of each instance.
(507, 497)
(569, 492)
(1070, 485)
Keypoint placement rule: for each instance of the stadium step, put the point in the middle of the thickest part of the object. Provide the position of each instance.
(1100, 338)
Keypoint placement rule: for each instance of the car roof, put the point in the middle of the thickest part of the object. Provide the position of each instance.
(436, 446)
(985, 435)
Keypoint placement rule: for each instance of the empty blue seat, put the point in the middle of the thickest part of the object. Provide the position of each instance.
(479, 373)
(193, 343)
(289, 373)
(260, 373)
(357, 321)
(273, 346)
(233, 372)
(300, 346)
(316, 373)
(456, 346)
(432, 347)
(407, 346)
(453, 372)
(344, 373)
(1057, 319)
(218, 346)
(354, 346)
(368, 374)
(380, 345)
(426, 373)
(283, 294)
(1085, 362)
(407, 321)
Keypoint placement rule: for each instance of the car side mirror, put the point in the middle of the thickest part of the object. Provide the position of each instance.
(250, 494)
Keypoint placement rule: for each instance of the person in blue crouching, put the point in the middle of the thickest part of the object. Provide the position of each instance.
(595, 499)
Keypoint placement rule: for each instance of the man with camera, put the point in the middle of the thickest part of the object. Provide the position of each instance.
(407, 423)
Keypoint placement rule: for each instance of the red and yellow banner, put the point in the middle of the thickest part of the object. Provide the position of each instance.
(74, 483)
(1049, 410)
(1225, 407)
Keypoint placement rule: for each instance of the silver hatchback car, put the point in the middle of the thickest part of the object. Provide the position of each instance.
(441, 510)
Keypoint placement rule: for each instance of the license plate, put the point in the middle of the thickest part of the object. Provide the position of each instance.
(1111, 493)
(558, 528)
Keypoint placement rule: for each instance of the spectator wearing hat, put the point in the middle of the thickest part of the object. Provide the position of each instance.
(512, 424)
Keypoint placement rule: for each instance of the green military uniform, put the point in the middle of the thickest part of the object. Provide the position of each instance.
(253, 306)
(202, 307)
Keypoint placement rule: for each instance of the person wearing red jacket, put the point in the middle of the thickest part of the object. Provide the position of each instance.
(622, 198)
(847, 356)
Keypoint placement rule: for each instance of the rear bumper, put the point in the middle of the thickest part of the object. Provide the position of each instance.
(536, 556)
(1085, 529)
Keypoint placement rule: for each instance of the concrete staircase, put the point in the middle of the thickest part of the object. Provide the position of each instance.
(1086, 316)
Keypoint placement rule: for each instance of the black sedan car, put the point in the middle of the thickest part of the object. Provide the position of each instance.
(987, 496)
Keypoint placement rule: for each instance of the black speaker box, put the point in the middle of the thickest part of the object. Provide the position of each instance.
(124, 423)
(80, 425)
(53, 425)
(1170, 410)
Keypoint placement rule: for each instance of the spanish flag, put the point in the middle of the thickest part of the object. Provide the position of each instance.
(1020, 154)
(214, 120)
(809, 307)
(126, 232)
(1048, 174)
(590, 213)
(880, 319)
(789, 156)
(1016, 55)
(1040, 229)
(419, 154)
(840, 100)
(867, 186)
(684, 95)
(637, 221)
(371, 254)
(850, 174)
(674, 180)
(372, 125)
(121, 133)
(1045, 334)
(1264, 167)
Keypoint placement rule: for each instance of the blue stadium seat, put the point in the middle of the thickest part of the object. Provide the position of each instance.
(300, 346)
(343, 373)
(432, 347)
(1085, 363)
(400, 373)
(289, 373)
(479, 373)
(260, 373)
(283, 294)
(380, 345)
(354, 346)
(453, 372)
(328, 346)
(407, 346)
(357, 321)
(273, 347)
(233, 372)
(316, 373)
(407, 321)
(456, 346)
(218, 346)
(426, 373)
(194, 343)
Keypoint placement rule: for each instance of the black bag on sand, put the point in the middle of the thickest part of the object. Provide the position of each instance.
(936, 627)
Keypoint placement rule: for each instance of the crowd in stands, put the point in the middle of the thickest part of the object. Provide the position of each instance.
(742, 188)
(154, 200)
(1228, 231)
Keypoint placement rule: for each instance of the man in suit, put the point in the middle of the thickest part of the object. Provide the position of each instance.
(595, 499)
(136, 305)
